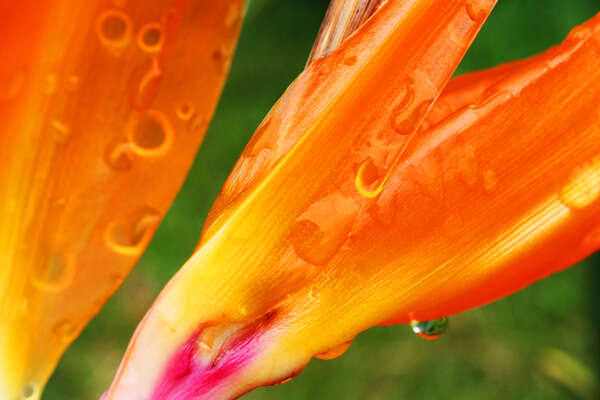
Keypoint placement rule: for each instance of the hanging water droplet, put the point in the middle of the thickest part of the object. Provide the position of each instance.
(113, 28)
(150, 134)
(118, 155)
(55, 274)
(583, 187)
(144, 85)
(430, 330)
(151, 37)
(65, 330)
(334, 352)
(131, 237)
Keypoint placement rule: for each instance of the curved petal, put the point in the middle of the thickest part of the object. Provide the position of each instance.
(248, 307)
(102, 107)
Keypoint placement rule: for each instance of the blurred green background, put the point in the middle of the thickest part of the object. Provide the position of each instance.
(541, 343)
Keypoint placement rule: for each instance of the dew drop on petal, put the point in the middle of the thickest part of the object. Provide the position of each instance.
(55, 274)
(320, 231)
(131, 237)
(119, 156)
(151, 37)
(150, 134)
(335, 352)
(474, 10)
(29, 391)
(369, 181)
(583, 187)
(430, 330)
(185, 111)
(145, 84)
(405, 122)
(113, 28)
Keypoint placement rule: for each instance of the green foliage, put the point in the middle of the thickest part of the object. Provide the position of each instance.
(501, 351)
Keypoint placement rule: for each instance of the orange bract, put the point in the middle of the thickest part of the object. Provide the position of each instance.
(371, 196)
(102, 107)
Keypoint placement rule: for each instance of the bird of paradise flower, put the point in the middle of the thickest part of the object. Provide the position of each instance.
(387, 226)
(374, 193)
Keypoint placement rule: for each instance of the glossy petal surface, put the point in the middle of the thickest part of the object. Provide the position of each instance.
(102, 107)
(293, 262)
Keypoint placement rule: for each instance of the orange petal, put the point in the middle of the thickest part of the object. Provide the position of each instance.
(102, 107)
(274, 281)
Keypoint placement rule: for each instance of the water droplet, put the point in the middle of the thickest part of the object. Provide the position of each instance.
(335, 352)
(113, 28)
(29, 391)
(198, 124)
(50, 84)
(430, 330)
(119, 156)
(222, 57)
(405, 123)
(233, 16)
(321, 230)
(151, 37)
(404, 99)
(116, 279)
(131, 237)
(65, 330)
(475, 11)
(490, 180)
(145, 84)
(369, 180)
(185, 111)
(61, 131)
(150, 134)
(55, 274)
(583, 187)
(11, 87)
(350, 60)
